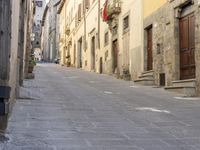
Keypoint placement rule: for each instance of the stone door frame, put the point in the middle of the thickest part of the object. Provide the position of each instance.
(115, 56)
(146, 28)
(180, 11)
(80, 53)
(93, 52)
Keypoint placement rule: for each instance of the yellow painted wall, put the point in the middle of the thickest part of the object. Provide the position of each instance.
(149, 6)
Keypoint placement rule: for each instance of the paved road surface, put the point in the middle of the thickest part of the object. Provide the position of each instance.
(69, 109)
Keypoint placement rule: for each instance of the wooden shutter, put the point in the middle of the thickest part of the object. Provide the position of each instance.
(187, 47)
(79, 12)
(87, 4)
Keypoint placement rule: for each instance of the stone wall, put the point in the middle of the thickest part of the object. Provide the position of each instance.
(198, 49)
(165, 23)
(12, 45)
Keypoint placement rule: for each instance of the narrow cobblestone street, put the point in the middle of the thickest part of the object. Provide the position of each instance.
(70, 109)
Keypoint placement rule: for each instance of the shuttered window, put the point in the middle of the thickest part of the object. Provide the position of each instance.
(79, 12)
(87, 4)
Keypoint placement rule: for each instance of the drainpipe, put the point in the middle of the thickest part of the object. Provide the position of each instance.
(85, 27)
(99, 21)
(64, 52)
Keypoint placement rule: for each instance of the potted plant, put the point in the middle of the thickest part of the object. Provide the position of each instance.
(31, 64)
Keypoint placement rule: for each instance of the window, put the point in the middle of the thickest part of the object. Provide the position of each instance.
(106, 55)
(87, 4)
(106, 38)
(38, 3)
(71, 15)
(114, 31)
(126, 23)
(76, 19)
(79, 12)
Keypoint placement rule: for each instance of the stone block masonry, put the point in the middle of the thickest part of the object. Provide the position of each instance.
(166, 51)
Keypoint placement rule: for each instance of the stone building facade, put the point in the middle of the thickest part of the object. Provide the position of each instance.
(140, 41)
(87, 42)
(175, 46)
(49, 31)
(39, 10)
(15, 17)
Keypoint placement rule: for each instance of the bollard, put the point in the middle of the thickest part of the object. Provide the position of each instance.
(4, 99)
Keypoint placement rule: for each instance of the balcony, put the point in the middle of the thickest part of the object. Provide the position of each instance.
(67, 30)
(113, 9)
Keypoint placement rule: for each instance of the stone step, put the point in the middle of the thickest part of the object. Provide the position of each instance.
(185, 90)
(145, 81)
(150, 72)
(146, 76)
(189, 82)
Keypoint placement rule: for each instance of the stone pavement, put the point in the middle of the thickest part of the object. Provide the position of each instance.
(70, 109)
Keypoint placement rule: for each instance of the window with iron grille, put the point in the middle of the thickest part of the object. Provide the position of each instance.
(87, 4)
(114, 31)
(79, 12)
(126, 23)
(38, 3)
(106, 39)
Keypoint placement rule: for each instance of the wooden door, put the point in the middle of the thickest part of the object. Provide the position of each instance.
(101, 66)
(74, 54)
(149, 49)
(79, 55)
(93, 47)
(115, 55)
(187, 47)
